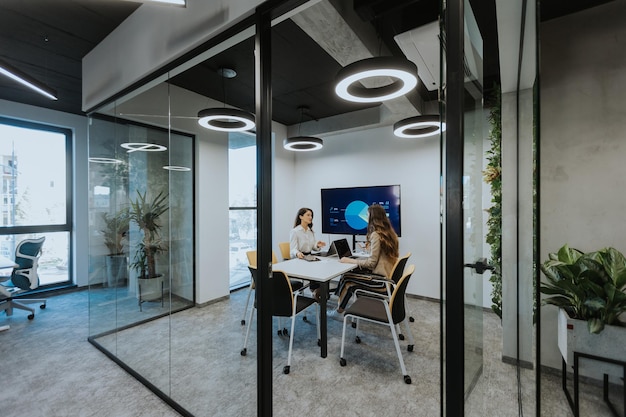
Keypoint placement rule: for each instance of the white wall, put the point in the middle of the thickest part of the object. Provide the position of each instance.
(583, 125)
(78, 126)
(377, 157)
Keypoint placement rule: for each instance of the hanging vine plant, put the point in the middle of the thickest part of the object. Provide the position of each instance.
(492, 175)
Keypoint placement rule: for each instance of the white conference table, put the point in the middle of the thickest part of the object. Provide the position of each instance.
(322, 271)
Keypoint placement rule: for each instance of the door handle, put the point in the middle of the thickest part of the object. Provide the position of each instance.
(480, 266)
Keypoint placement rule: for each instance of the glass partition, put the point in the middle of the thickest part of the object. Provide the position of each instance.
(144, 231)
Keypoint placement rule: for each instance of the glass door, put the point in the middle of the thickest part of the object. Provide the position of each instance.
(463, 237)
(474, 261)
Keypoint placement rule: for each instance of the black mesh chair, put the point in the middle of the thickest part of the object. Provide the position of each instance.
(285, 303)
(373, 308)
(23, 279)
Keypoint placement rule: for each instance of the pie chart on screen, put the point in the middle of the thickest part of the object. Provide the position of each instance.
(356, 215)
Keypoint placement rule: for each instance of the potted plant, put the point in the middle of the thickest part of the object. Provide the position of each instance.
(146, 213)
(114, 234)
(589, 290)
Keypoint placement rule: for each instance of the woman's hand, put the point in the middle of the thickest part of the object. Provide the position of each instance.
(346, 260)
(321, 244)
(300, 255)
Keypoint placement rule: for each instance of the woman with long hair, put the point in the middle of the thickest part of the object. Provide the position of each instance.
(382, 242)
(302, 238)
(302, 241)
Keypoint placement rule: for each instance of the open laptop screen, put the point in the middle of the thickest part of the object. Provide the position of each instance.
(342, 247)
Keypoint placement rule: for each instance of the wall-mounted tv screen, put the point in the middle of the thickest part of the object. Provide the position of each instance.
(344, 210)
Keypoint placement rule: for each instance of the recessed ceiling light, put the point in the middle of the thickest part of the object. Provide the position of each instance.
(26, 80)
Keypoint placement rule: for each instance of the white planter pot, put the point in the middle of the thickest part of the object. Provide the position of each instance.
(150, 289)
(610, 343)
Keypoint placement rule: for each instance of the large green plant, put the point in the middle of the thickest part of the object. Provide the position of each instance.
(146, 215)
(115, 231)
(589, 286)
(492, 176)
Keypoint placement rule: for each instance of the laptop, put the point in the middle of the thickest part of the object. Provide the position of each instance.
(343, 249)
(332, 251)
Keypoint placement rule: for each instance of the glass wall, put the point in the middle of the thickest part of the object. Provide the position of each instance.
(242, 205)
(141, 239)
(142, 171)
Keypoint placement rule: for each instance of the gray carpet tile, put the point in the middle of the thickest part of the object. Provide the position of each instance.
(49, 368)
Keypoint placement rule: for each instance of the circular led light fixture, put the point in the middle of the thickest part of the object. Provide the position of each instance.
(226, 119)
(403, 71)
(100, 160)
(419, 127)
(143, 147)
(176, 168)
(303, 143)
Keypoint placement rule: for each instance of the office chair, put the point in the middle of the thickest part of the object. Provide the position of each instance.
(285, 250)
(24, 278)
(285, 303)
(252, 262)
(385, 286)
(381, 310)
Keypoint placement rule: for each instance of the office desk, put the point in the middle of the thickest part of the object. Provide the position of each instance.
(7, 263)
(322, 271)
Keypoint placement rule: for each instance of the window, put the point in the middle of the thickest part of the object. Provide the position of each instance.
(242, 203)
(36, 180)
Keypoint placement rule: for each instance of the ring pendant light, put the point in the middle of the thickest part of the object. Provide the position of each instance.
(226, 119)
(302, 143)
(403, 71)
(419, 127)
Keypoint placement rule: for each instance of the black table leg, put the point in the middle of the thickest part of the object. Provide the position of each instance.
(323, 327)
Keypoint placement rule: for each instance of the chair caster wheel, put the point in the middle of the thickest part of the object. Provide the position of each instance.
(411, 319)
(243, 322)
(342, 362)
(354, 325)
(285, 332)
(244, 352)
(357, 339)
(410, 348)
(319, 342)
(407, 379)
(280, 332)
(304, 319)
(43, 306)
(31, 316)
(401, 336)
(286, 370)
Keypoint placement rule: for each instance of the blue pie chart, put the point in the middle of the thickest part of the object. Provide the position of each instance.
(356, 215)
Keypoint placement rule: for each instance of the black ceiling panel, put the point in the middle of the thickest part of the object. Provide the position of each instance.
(48, 39)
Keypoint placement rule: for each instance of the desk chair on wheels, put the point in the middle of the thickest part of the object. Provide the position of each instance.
(24, 278)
